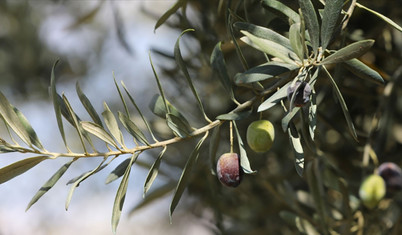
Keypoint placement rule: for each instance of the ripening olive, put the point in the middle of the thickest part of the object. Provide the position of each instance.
(228, 169)
(372, 190)
(392, 175)
(260, 135)
(303, 92)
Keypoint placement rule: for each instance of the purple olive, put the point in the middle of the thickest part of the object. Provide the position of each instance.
(303, 92)
(392, 175)
(229, 170)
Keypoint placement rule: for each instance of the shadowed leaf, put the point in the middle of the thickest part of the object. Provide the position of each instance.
(363, 71)
(132, 128)
(297, 148)
(331, 14)
(171, 11)
(88, 106)
(263, 72)
(213, 148)
(244, 162)
(234, 116)
(311, 21)
(99, 132)
(277, 5)
(118, 171)
(153, 172)
(275, 98)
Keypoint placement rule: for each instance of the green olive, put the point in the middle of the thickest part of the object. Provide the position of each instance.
(260, 135)
(372, 190)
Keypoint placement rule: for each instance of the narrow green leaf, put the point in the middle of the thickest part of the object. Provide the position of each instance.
(112, 125)
(88, 106)
(179, 126)
(13, 120)
(154, 195)
(235, 115)
(118, 171)
(218, 63)
(331, 14)
(17, 168)
(162, 94)
(75, 120)
(99, 132)
(121, 96)
(363, 71)
(297, 147)
(171, 11)
(384, 18)
(264, 33)
(213, 148)
(28, 128)
(244, 162)
(49, 184)
(291, 14)
(182, 65)
(288, 117)
(121, 195)
(139, 111)
(296, 40)
(263, 72)
(185, 176)
(153, 172)
(270, 47)
(301, 224)
(312, 114)
(56, 104)
(132, 128)
(311, 21)
(76, 181)
(157, 106)
(275, 98)
(343, 105)
(351, 51)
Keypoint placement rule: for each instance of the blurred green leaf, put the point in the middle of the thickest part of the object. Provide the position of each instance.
(154, 195)
(270, 47)
(343, 105)
(297, 147)
(17, 168)
(311, 21)
(121, 194)
(351, 51)
(291, 14)
(218, 63)
(31, 132)
(132, 128)
(275, 98)
(182, 65)
(363, 71)
(213, 148)
(185, 176)
(331, 14)
(235, 115)
(99, 132)
(171, 11)
(49, 184)
(301, 224)
(153, 171)
(88, 106)
(264, 33)
(14, 121)
(384, 18)
(263, 72)
(244, 162)
(112, 125)
(296, 42)
(179, 126)
(157, 106)
(118, 171)
(56, 104)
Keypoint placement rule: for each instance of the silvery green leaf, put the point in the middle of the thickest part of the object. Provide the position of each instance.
(275, 98)
(351, 51)
(295, 142)
(263, 72)
(244, 162)
(311, 21)
(279, 6)
(88, 106)
(331, 14)
(153, 172)
(363, 71)
(17, 168)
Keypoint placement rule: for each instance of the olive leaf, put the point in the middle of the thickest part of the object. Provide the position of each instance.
(363, 71)
(17, 168)
(132, 128)
(121, 194)
(348, 52)
(234, 115)
(295, 37)
(170, 12)
(244, 162)
(312, 114)
(275, 98)
(154, 195)
(88, 106)
(384, 18)
(50, 183)
(185, 176)
(263, 72)
(99, 132)
(288, 117)
(153, 172)
(331, 14)
(279, 6)
(297, 148)
(311, 21)
(30, 131)
(111, 124)
(118, 171)
(213, 148)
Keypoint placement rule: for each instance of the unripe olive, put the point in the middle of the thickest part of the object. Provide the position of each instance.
(392, 175)
(228, 169)
(372, 190)
(260, 135)
(303, 92)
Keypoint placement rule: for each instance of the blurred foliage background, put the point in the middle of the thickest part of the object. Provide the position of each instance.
(27, 54)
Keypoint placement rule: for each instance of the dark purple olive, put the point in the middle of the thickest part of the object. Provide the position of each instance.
(303, 92)
(229, 170)
(392, 175)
